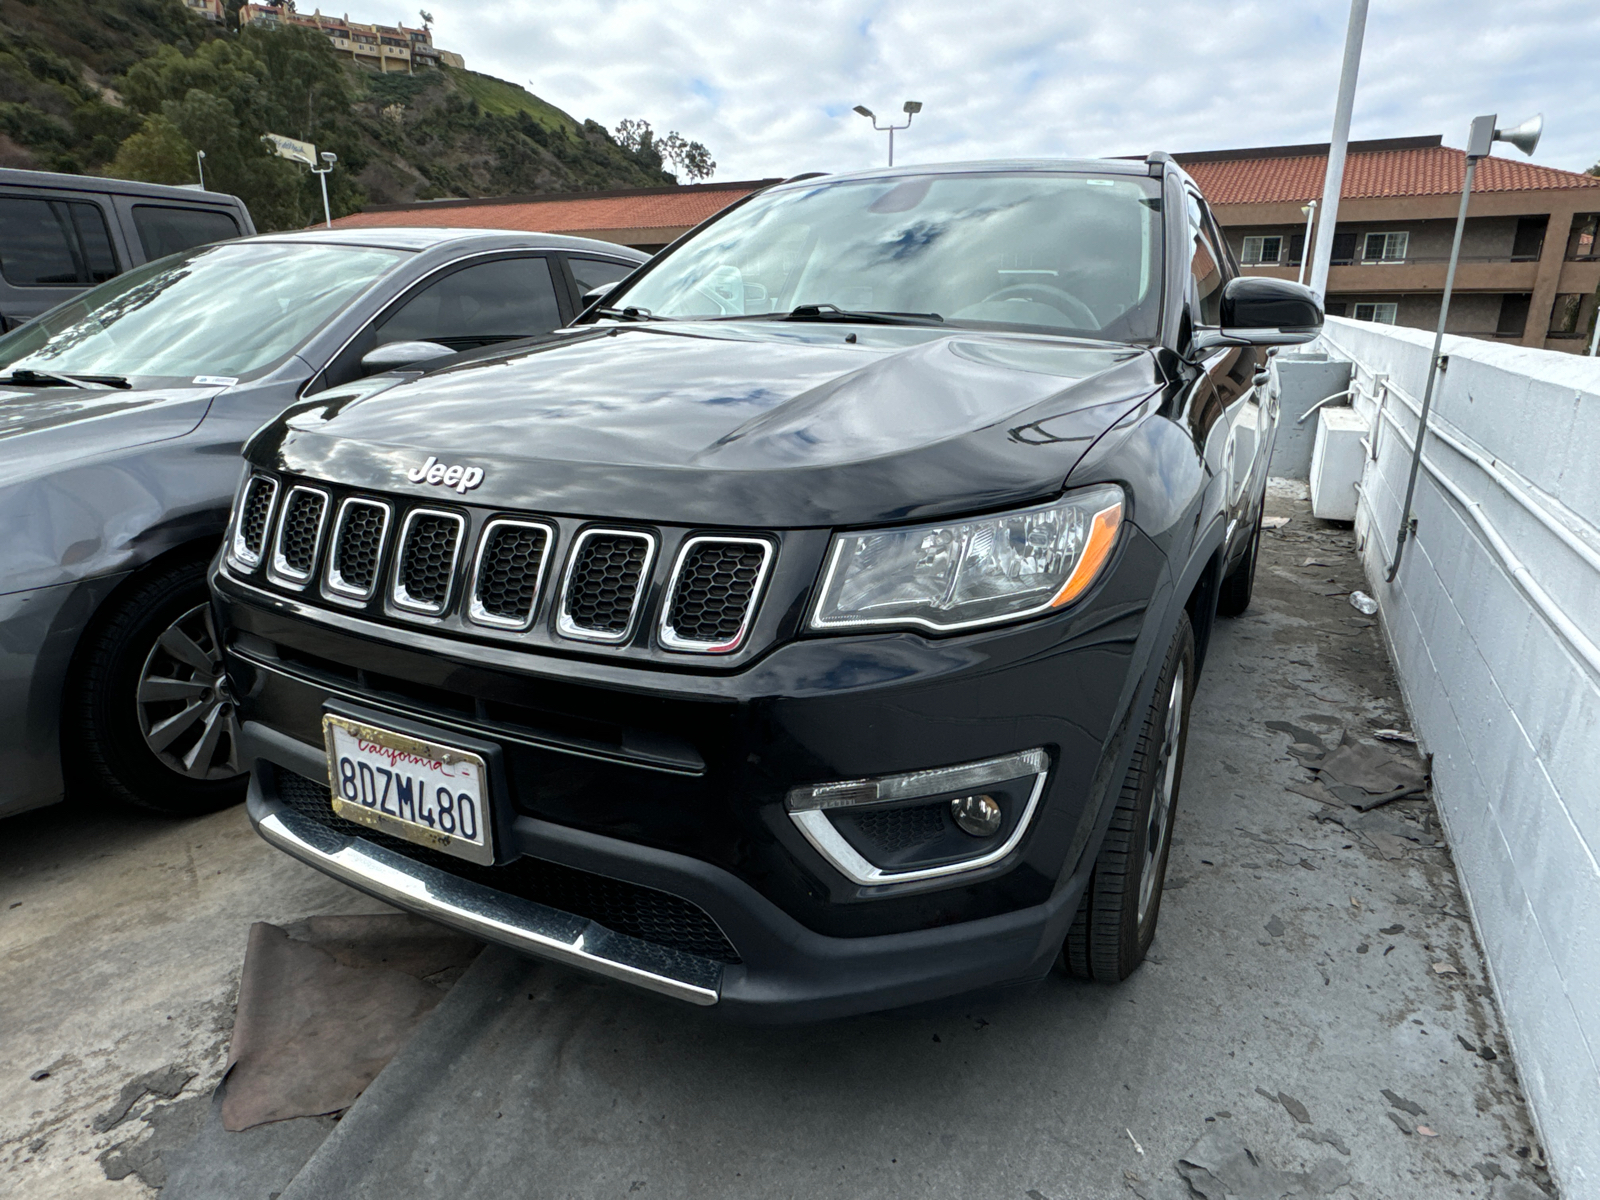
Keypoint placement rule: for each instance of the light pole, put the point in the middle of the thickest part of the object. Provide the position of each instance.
(200, 165)
(1310, 211)
(911, 109)
(328, 159)
(1480, 139)
(1333, 180)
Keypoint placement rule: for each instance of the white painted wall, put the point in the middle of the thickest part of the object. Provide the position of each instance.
(1498, 651)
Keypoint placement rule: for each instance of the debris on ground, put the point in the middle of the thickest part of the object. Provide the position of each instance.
(1362, 602)
(1405, 737)
(1404, 1105)
(1324, 1138)
(1294, 1108)
(1401, 1122)
(1274, 522)
(1220, 1167)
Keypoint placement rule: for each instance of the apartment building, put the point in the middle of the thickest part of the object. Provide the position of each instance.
(1529, 264)
(381, 47)
(211, 10)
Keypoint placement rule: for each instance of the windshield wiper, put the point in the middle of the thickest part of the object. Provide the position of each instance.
(31, 378)
(832, 312)
(631, 313)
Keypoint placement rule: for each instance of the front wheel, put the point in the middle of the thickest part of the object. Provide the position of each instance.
(149, 718)
(1116, 918)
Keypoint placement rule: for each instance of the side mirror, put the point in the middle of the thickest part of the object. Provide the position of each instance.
(1258, 311)
(596, 294)
(397, 356)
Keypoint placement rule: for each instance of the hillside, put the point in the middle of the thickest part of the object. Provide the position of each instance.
(133, 88)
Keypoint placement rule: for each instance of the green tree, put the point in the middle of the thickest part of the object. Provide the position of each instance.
(157, 153)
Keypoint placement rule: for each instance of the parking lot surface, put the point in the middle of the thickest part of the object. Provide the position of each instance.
(1314, 994)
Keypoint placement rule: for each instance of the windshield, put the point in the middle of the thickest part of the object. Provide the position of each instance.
(222, 310)
(1062, 253)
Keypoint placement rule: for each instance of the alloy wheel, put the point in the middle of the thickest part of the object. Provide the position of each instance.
(1161, 803)
(186, 712)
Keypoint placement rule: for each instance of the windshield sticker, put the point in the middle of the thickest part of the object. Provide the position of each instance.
(217, 380)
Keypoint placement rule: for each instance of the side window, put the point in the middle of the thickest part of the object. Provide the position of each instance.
(594, 272)
(165, 230)
(475, 306)
(1205, 265)
(54, 243)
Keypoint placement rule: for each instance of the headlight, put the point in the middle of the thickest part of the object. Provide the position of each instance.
(967, 573)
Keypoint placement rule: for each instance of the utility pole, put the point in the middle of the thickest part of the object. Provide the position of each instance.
(328, 159)
(911, 109)
(200, 165)
(1333, 183)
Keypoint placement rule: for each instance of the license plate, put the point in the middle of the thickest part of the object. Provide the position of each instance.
(422, 791)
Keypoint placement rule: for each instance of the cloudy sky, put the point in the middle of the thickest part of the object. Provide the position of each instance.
(768, 85)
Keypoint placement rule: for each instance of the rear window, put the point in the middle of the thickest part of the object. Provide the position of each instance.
(165, 230)
(54, 243)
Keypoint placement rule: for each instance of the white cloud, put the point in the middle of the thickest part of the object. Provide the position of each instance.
(769, 86)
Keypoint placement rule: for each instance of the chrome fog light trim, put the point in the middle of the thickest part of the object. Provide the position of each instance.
(808, 807)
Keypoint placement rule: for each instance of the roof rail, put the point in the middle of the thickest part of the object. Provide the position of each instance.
(1157, 160)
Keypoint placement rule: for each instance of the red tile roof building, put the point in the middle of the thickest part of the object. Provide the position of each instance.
(645, 218)
(1529, 268)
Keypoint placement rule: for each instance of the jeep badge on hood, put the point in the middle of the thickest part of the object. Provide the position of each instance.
(463, 479)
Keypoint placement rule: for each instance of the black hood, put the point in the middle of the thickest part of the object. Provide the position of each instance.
(775, 425)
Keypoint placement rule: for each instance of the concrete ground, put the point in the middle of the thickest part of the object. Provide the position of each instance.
(1314, 994)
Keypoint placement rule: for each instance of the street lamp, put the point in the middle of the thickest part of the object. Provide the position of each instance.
(200, 165)
(1310, 211)
(911, 109)
(328, 159)
(1480, 139)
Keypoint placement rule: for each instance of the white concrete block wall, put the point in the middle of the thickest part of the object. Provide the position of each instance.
(1507, 705)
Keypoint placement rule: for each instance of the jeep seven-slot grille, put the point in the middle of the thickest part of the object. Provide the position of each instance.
(604, 583)
(427, 560)
(299, 531)
(713, 593)
(630, 908)
(510, 564)
(253, 514)
(357, 545)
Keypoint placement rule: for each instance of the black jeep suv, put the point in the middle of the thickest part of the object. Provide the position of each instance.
(811, 627)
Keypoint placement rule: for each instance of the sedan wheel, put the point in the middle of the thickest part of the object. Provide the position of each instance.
(185, 710)
(148, 717)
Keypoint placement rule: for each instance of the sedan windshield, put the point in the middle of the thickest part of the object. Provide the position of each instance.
(1050, 252)
(225, 310)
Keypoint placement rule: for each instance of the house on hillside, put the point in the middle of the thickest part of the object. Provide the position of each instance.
(381, 47)
(1529, 264)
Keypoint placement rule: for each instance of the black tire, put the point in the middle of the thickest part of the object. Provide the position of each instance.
(1116, 918)
(135, 710)
(1233, 597)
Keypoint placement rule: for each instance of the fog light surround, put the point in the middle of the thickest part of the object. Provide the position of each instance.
(809, 806)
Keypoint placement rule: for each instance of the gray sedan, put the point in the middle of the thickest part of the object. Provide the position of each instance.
(122, 413)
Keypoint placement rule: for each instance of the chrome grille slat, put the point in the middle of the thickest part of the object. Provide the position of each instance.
(607, 575)
(294, 553)
(425, 560)
(255, 516)
(509, 569)
(712, 598)
(356, 548)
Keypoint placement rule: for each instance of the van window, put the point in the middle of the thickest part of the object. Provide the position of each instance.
(165, 230)
(54, 243)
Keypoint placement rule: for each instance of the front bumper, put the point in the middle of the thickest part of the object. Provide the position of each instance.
(675, 782)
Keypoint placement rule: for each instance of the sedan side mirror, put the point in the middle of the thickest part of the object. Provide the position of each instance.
(397, 356)
(596, 294)
(1258, 311)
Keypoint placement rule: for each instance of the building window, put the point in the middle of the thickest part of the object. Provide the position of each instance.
(1383, 314)
(1528, 242)
(1336, 308)
(1344, 249)
(1513, 314)
(1385, 247)
(1297, 249)
(1565, 314)
(1581, 243)
(1262, 251)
